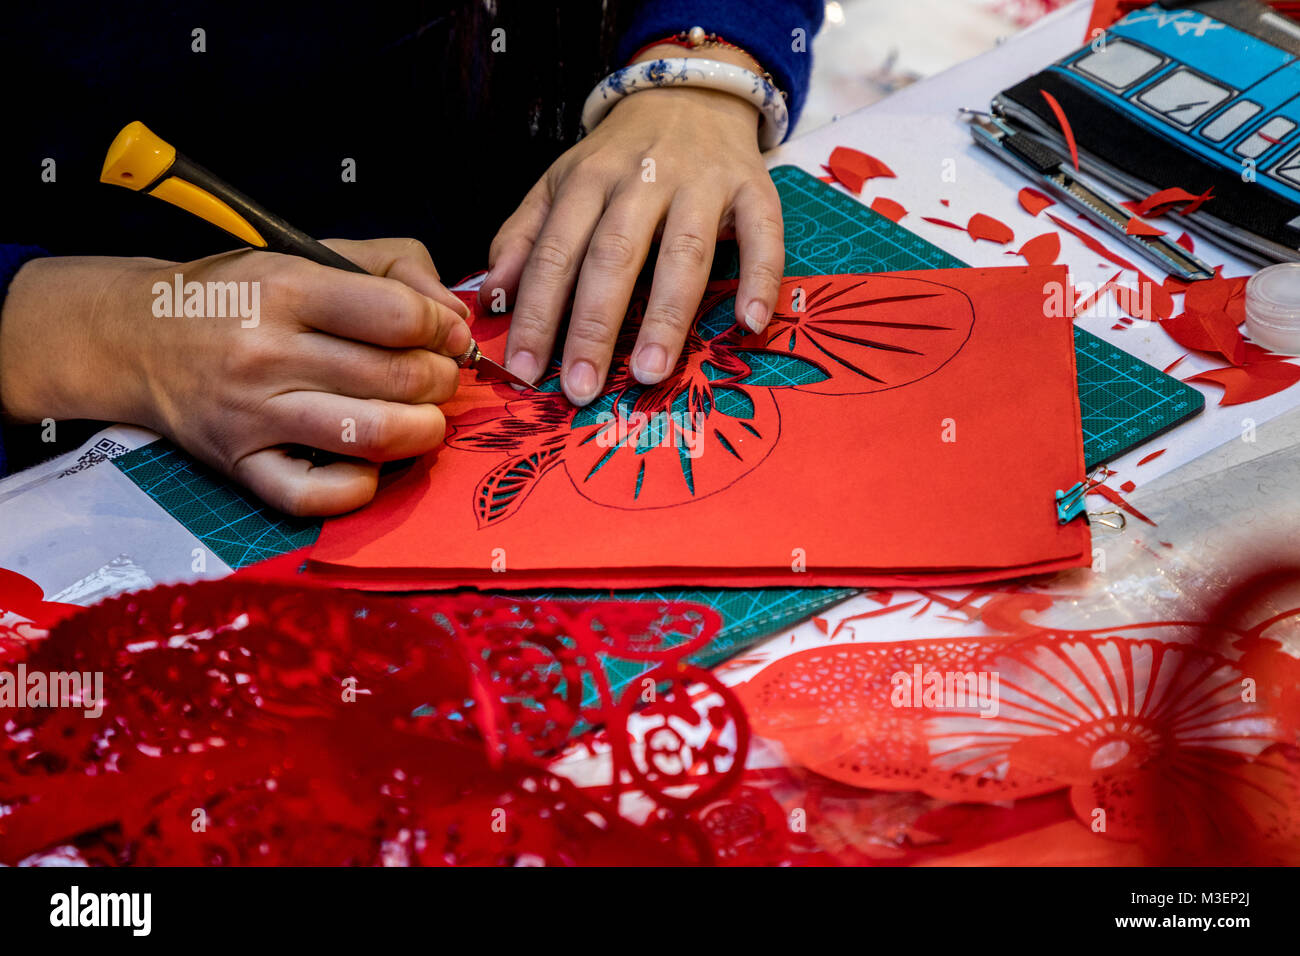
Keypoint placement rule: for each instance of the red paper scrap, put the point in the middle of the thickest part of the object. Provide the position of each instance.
(1162, 301)
(1159, 202)
(888, 208)
(1064, 123)
(1115, 498)
(1186, 242)
(1174, 364)
(1034, 202)
(1155, 454)
(944, 203)
(1196, 203)
(1257, 353)
(1083, 305)
(981, 226)
(852, 167)
(1092, 243)
(1250, 383)
(1148, 301)
(1041, 250)
(1226, 295)
(1136, 227)
(1128, 487)
(944, 222)
(1207, 332)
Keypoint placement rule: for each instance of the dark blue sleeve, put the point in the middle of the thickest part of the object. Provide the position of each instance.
(12, 258)
(769, 30)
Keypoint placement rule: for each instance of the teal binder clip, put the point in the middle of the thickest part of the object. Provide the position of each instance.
(1071, 502)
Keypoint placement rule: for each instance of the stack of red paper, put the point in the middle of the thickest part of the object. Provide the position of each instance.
(885, 429)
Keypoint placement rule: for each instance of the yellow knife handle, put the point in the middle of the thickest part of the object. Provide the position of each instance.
(142, 161)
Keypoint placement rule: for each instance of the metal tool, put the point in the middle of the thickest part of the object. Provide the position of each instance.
(1044, 165)
(142, 161)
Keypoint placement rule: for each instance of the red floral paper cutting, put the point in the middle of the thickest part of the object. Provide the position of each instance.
(842, 402)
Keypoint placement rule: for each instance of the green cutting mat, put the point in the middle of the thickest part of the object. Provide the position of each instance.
(1124, 401)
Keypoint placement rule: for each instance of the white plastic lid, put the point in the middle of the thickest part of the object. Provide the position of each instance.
(1273, 307)
(1273, 294)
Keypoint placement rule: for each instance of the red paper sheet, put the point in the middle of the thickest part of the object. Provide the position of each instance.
(885, 429)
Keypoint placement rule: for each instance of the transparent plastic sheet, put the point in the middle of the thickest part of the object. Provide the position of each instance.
(1207, 531)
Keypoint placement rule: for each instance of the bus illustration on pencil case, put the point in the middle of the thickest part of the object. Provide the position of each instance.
(1205, 96)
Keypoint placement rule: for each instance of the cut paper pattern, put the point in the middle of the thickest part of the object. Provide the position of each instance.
(1146, 722)
(642, 486)
(638, 447)
(318, 727)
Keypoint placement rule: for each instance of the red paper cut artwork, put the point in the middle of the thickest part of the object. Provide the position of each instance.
(316, 727)
(837, 409)
(1144, 726)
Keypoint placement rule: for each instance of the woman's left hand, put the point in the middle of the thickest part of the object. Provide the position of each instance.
(681, 164)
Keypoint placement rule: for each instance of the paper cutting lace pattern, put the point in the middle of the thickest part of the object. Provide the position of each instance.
(716, 417)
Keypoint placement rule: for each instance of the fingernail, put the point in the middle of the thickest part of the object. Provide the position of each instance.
(524, 365)
(650, 364)
(458, 339)
(756, 316)
(580, 382)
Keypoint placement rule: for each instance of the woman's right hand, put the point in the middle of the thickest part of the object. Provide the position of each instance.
(350, 364)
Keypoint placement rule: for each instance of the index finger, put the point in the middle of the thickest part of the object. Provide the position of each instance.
(371, 309)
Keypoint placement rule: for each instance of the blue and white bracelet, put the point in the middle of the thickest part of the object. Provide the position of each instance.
(692, 71)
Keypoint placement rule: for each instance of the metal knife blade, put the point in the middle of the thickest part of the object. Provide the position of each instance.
(484, 367)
